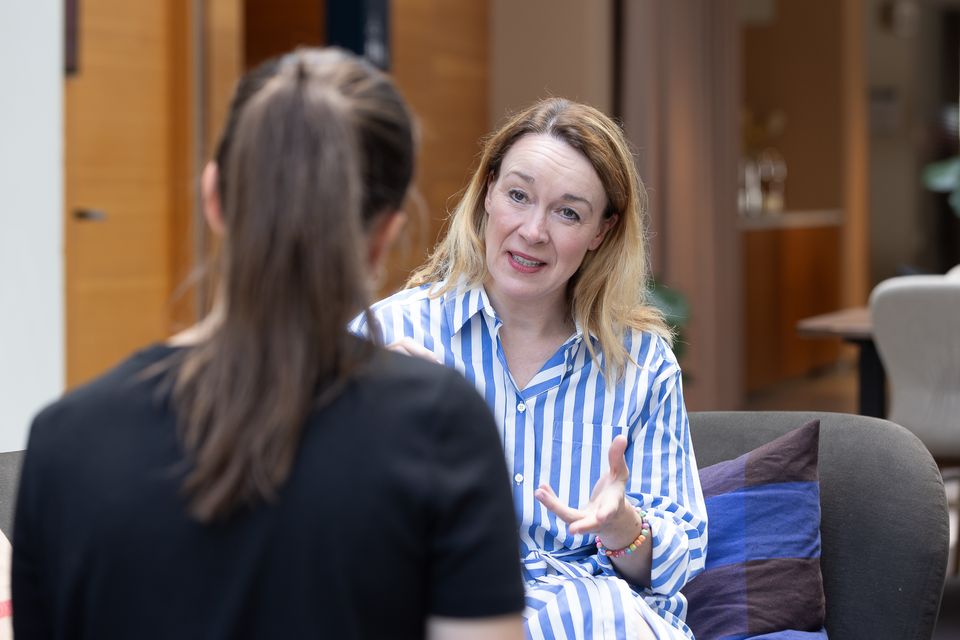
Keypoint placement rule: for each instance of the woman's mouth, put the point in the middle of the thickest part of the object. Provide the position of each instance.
(524, 263)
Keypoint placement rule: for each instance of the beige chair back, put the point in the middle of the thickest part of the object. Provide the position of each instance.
(916, 322)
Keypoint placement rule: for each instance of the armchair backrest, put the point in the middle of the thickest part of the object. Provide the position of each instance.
(10, 463)
(916, 327)
(884, 525)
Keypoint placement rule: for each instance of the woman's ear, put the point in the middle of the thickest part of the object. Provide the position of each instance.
(210, 198)
(383, 233)
(489, 192)
(605, 225)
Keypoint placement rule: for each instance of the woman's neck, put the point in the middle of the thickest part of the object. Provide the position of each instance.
(533, 320)
(531, 333)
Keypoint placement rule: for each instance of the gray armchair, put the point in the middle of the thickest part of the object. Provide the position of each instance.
(883, 525)
(9, 477)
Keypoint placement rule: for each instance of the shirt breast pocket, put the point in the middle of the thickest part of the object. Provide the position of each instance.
(578, 457)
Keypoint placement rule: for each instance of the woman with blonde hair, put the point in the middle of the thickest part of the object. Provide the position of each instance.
(537, 295)
(267, 474)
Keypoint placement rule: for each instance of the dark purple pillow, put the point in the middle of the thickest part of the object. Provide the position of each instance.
(762, 575)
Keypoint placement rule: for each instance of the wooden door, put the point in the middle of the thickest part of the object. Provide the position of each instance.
(123, 160)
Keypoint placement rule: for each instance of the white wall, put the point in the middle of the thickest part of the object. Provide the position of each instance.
(31, 202)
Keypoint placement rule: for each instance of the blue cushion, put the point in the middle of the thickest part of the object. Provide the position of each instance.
(762, 577)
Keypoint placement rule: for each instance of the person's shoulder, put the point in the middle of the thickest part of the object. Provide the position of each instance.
(389, 367)
(412, 297)
(425, 383)
(406, 303)
(416, 306)
(649, 349)
(92, 403)
(441, 403)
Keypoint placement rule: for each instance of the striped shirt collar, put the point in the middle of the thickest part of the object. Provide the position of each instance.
(464, 301)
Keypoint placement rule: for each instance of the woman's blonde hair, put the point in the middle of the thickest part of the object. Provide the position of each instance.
(608, 293)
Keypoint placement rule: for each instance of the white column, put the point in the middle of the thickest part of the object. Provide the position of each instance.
(31, 203)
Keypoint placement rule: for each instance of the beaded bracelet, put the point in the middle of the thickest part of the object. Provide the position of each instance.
(633, 546)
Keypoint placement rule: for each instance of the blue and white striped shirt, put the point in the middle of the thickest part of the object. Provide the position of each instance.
(558, 430)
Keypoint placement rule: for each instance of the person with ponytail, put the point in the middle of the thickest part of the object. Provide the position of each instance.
(266, 474)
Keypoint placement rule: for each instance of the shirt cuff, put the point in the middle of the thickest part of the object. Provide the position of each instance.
(670, 557)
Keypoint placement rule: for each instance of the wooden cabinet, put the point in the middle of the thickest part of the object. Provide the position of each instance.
(791, 271)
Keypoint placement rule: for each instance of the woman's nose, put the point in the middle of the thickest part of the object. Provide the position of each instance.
(534, 228)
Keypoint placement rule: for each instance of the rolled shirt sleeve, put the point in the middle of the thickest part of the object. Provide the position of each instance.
(664, 481)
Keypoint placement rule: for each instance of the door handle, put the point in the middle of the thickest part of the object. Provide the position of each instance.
(89, 215)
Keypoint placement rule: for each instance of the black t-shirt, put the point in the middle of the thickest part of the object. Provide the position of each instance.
(398, 507)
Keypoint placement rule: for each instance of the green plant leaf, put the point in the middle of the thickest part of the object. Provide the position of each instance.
(954, 200)
(943, 176)
(671, 303)
(675, 309)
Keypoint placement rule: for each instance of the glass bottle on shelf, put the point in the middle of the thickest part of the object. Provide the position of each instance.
(772, 171)
(750, 196)
(763, 170)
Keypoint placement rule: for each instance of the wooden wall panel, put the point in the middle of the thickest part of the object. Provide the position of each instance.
(183, 165)
(763, 351)
(439, 54)
(205, 71)
(119, 159)
(789, 274)
(856, 157)
(223, 64)
(271, 28)
(810, 286)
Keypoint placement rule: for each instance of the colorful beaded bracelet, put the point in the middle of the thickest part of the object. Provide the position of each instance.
(633, 546)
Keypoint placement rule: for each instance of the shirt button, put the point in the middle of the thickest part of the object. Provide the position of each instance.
(569, 367)
(518, 478)
(521, 407)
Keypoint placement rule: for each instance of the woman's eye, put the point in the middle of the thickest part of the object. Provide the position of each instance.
(516, 195)
(569, 214)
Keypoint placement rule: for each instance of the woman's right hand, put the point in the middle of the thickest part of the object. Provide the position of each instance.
(410, 347)
(608, 514)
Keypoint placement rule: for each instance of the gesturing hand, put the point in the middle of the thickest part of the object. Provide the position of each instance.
(608, 514)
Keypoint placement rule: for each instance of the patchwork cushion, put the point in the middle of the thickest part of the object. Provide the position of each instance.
(762, 576)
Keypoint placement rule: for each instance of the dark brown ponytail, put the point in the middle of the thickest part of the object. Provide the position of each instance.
(295, 164)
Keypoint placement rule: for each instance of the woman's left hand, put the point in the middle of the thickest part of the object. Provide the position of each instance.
(608, 514)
